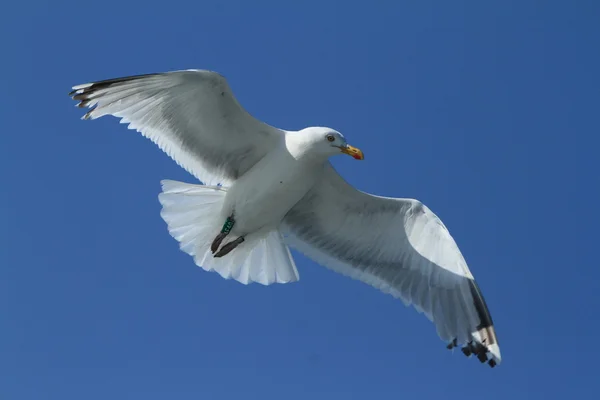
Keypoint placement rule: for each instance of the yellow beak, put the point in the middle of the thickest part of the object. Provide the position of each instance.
(353, 151)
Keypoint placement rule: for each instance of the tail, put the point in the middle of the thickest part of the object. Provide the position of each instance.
(193, 215)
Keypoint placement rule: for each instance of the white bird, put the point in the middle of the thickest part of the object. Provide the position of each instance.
(265, 188)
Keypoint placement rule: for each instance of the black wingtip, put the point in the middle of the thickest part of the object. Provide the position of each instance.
(480, 351)
(482, 357)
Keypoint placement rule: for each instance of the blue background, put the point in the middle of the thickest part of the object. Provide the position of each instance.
(485, 111)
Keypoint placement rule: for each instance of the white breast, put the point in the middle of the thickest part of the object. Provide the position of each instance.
(261, 197)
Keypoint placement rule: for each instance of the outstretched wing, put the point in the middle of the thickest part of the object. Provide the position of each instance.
(400, 247)
(191, 115)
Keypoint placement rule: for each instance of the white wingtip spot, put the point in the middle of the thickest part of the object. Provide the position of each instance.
(79, 88)
(494, 350)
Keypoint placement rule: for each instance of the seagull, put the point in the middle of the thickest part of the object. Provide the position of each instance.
(265, 189)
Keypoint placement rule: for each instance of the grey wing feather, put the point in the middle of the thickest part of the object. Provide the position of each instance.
(400, 247)
(191, 115)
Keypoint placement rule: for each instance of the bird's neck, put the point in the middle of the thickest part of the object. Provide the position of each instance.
(299, 146)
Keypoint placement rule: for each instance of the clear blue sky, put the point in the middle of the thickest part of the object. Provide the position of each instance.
(487, 113)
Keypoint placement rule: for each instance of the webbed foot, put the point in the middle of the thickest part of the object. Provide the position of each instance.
(229, 246)
(224, 232)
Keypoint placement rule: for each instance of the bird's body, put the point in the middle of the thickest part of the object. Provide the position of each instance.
(261, 197)
(277, 188)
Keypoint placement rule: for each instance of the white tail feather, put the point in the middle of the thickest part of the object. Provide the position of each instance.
(193, 215)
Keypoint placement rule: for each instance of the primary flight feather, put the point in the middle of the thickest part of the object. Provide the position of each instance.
(265, 188)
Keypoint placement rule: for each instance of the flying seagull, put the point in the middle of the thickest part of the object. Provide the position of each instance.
(266, 188)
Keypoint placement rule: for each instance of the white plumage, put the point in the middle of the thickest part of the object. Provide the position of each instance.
(276, 184)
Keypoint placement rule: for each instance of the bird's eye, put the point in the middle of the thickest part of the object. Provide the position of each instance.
(330, 138)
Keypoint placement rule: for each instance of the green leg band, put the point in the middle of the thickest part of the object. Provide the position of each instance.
(227, 226)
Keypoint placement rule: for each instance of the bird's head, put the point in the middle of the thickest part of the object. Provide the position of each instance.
(329, 142)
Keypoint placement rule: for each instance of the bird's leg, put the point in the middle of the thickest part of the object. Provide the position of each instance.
(229, 246)
(227, 227)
